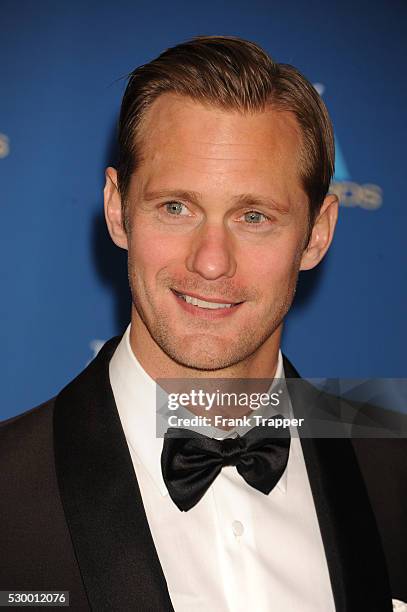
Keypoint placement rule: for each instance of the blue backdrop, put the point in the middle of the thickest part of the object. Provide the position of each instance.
(64, 283)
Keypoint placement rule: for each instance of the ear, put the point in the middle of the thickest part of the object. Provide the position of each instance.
(113, 209)
(322, 233)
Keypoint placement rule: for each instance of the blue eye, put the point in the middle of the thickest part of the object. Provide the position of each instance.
(174, 208)
(252, 216)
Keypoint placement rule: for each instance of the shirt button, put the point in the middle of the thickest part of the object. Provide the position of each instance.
(238, 528)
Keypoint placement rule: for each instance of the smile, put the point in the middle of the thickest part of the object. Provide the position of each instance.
(213, 307)
(203, 303)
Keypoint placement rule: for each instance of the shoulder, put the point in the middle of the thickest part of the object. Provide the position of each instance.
(33, 427)
(30, 424)
(26, 444)
(378, 435)
(27, 418)
(383, 462)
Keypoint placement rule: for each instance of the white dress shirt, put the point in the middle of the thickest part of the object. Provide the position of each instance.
(237, 549)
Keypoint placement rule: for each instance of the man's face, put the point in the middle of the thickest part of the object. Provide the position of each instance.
(217, 211)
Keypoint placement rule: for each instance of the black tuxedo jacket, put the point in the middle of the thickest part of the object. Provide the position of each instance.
(72, 517)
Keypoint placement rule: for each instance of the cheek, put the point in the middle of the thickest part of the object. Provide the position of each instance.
(276, 263)
(150, 252)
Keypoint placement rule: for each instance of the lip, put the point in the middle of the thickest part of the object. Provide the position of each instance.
(206, 299)
(205, 313)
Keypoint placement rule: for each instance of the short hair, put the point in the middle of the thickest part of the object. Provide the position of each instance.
(233, 74)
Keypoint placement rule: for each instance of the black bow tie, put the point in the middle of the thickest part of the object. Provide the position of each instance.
(190, 464)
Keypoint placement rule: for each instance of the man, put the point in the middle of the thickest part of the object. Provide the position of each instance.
(221, 198)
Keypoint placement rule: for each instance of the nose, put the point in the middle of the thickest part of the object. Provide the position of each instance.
(211, 253)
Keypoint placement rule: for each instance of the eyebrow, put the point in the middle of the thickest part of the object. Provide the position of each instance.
(243, 199)
(255, 201)
(192, 196)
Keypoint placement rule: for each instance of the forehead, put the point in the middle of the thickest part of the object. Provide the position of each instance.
(172, 116)
(218, 147)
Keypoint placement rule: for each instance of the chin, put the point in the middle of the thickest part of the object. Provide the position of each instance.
(202, 362)
(204, 354)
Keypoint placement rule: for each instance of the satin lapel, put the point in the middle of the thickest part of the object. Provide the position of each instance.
(352, 544)
(101, 498)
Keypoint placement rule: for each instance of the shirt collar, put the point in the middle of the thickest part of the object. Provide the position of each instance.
(135, 395)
